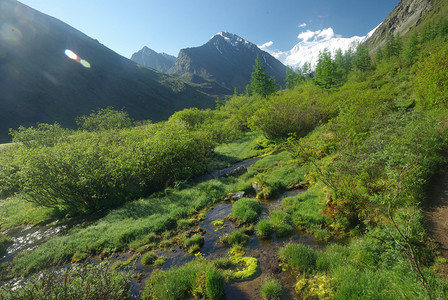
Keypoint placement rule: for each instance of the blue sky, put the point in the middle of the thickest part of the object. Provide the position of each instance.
(170, 25)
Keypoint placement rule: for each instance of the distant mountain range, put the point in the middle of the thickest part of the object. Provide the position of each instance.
(51, 72)
(223, 63)
(226, 59)
(151, 59)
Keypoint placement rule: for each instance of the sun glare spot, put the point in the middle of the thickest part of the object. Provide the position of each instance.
(72, 55)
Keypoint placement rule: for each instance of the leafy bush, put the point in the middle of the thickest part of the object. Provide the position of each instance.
(198, 278)
(105, 119)
(298, 257)
(431, 83)
(93, 170)
(271, 290)
(246, 210)
(280, 117)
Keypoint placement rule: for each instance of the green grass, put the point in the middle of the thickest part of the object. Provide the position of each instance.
(281, 223)
(149, 258)
(264, 229)
(124, 227)
(199, 278)
(271, 290)
(298, 257)
(306, 209)
(248, 145)
(90, 282)
(15, 211)
(194, 243)
(246, 210)
(277, 173)
(236, 237)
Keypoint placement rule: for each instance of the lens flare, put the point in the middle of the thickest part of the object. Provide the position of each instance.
(10, 34)
(72, 55)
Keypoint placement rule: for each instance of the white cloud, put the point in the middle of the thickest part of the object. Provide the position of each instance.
(266, 45)
(325, 34)
(302, 25)
(307, 35)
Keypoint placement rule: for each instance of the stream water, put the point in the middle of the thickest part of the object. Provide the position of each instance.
(266, 251)
(28, 238)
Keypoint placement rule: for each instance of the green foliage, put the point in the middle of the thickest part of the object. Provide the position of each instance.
(246, 210)
(392, 47)
(293, 78)
(90, 282)
(431, 82)
(199, 279)
(194, 243)
(5, 242)
(325, 74)
(93, 170)
(298, 257)
(105, 119)
(264, 229)
(271, 290)
(411, 49)
(236, 237)
(260, 83)
(41, 135)
(281, 116)
(361, 58)
(149, 258)
(281, 222)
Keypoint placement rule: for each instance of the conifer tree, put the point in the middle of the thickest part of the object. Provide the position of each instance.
(411, 50)
(261, 83)
(362, 59)
(325, 74)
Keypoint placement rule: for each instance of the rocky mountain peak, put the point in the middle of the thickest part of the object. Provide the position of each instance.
(405, 16)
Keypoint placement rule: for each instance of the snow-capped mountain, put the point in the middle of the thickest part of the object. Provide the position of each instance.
(150, 58)
(311, 44)
(226, 59)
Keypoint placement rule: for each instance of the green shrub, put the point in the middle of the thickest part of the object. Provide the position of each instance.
(93, 170)
(105, 119)
(237, 237)
(149, 258)
(264, 229)
(246, 210)
(271, 290)
(198, 278)
(298, 257)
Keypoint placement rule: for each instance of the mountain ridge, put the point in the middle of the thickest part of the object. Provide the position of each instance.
(226, 59)
(152, 59)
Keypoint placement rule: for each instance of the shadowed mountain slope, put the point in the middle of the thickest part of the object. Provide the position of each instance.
(39, 82)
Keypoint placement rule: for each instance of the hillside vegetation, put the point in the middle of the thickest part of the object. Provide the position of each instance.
(365, 136)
